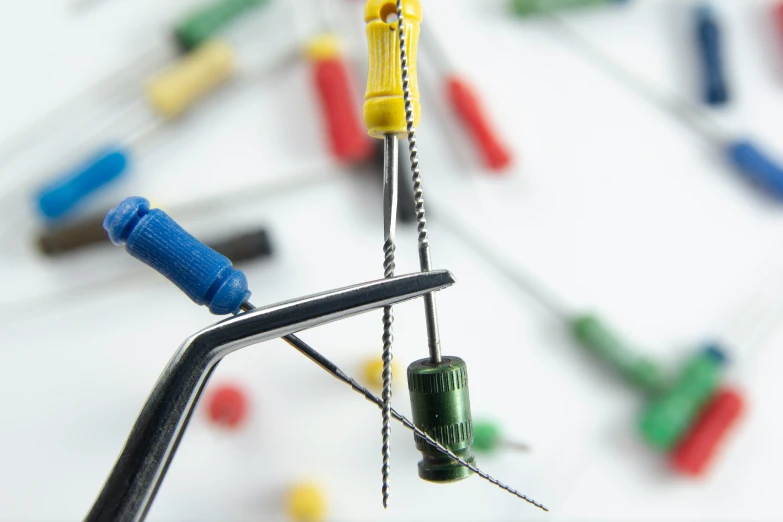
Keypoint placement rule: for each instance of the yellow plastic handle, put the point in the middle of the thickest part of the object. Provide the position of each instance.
(306, 503)
(177, 88)
(384, 107)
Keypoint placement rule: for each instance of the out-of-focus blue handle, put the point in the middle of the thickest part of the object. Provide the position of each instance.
(757, 167)
(61, 196)
(151, 236)
(708, 37)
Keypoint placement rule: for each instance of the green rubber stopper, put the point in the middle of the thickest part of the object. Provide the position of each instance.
(203, 23)
(440, 403)
(667, 417)
(602, 342)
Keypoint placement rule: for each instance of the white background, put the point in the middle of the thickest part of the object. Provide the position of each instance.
(613, 203)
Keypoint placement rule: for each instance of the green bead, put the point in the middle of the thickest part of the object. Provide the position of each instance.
(530, 7)
(669, 415)
(440, 404)
(602, 342)
(202, 24)
(486, 436)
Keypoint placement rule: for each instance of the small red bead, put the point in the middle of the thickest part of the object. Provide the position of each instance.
(227, 406)
(695, 451)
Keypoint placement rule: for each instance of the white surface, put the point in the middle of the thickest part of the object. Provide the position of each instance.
(614, 204)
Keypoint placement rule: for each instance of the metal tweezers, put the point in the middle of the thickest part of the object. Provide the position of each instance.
(133, 482)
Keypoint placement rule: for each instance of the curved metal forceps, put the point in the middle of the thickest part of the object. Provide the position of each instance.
(133, 482)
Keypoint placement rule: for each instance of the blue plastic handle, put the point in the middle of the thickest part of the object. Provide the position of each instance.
(758, 168)
(152, 237)
(60, 197)
(708, 37)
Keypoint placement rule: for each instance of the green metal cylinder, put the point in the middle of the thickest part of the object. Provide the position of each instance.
(441, 408)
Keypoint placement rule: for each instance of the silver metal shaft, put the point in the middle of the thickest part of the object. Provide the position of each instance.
(336, 372)
(515, 446)
(390, 145)
(522, 280)
(134, 480)
(677, 107)
(425, 261)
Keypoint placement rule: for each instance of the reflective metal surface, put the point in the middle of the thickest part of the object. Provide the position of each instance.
(153, 440)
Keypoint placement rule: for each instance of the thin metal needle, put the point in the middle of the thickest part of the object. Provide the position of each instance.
(310, 352)
(335, 371)
(389, 226)
(676, 106)
(516, 446)
(425, 262)
(526, 282)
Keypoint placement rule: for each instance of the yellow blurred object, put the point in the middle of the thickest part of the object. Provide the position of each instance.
(323, 47)
(384, 107)
(174, 90)
(373, 372)
(306, 503)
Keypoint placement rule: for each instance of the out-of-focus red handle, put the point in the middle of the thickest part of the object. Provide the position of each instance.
(778, 15)
(347, 137)
(695, 451)
(494, 153)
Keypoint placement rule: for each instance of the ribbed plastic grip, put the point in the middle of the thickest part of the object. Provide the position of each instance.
(531, 7)
(670, 415)
(696, 450)
(757, 167)
(601, 341)
(384, 107)
(61, 196)
(152, 237)
(205, 22)
(339, 102)
(494, 153)
(708, 40)
(174, 90)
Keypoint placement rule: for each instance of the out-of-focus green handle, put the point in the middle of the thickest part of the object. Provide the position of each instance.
(203, 23)
(668, 416)
(594, 335)
(532, 7)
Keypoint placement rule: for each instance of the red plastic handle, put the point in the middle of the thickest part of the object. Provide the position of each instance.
(778, 15)
(348, 139)
(466, 104)
(695, 451)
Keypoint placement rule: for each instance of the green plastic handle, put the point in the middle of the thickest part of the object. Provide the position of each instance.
(602, 342)
(668, 416)
(203, 23)
(532, 7)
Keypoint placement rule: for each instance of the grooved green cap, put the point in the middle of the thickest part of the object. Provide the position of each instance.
(441, 407)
